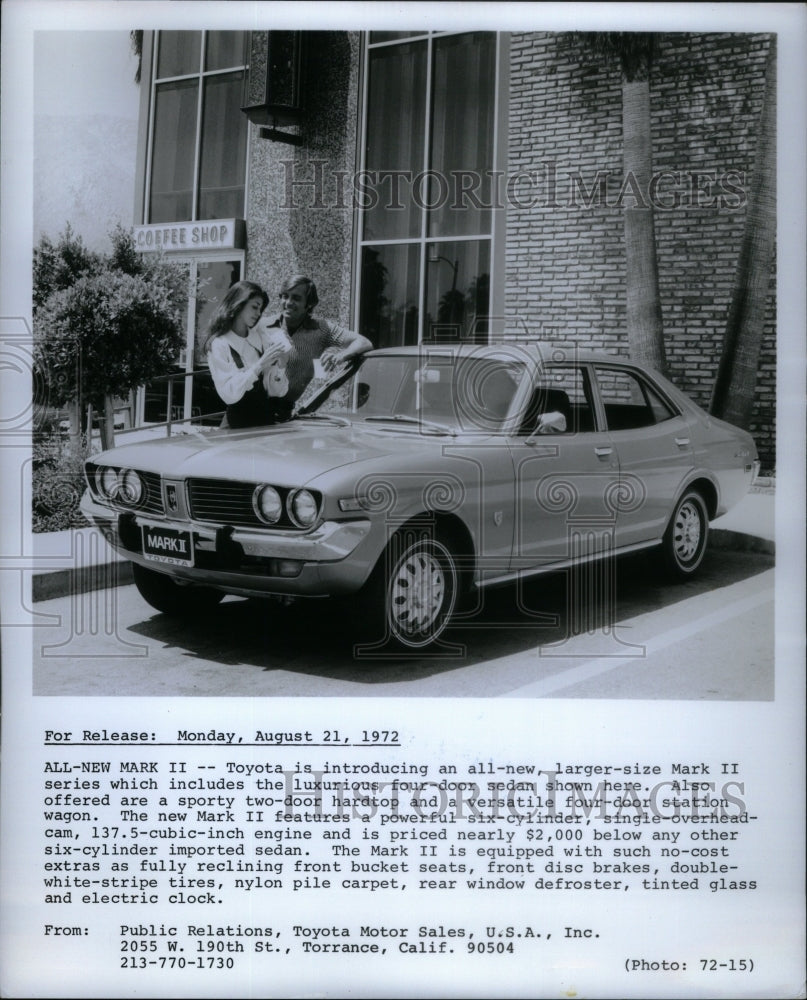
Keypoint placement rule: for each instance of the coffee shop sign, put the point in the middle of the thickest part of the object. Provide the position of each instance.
(215, 234)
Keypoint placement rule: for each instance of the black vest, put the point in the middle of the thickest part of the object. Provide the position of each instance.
(255, 408)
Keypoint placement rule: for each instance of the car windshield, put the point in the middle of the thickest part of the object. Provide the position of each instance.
(430, 390)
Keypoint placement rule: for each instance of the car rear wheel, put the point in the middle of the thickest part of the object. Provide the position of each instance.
(412, 592)
(162, 593)
(686, 536)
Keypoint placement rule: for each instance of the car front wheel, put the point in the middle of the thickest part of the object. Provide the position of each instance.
(685, 539)
(162, 593)
(412, 592)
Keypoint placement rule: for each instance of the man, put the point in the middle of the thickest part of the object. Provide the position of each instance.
(311, 338)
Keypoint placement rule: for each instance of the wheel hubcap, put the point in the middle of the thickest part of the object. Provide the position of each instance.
(417, 592)
(687, 532)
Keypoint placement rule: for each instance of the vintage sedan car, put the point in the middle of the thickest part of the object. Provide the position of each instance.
(422, 474)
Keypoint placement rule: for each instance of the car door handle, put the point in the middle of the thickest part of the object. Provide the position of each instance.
(682, 442)
(603, 452)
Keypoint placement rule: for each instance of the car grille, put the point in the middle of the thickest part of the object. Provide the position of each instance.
(152, 502)
(223, 501)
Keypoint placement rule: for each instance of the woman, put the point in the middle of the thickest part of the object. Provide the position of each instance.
(247, 365)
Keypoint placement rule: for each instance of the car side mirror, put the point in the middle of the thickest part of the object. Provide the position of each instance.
(550, 423)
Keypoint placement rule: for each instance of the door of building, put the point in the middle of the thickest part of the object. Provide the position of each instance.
(193, 398)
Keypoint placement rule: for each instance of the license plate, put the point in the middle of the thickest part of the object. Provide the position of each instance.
(167, 545)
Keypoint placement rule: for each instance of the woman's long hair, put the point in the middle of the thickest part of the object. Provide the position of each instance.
(233, 302)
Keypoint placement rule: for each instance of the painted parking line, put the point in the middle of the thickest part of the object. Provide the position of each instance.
(737, 602)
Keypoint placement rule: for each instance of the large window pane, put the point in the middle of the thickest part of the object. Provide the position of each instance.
(178, 53)
(224, 49)
(162, 398)
(224, 149)
(174, 145)
(428, 201)
(214, 279)
(391, 36)
(457, 291)
(395, 138)
(389, 294)
(462, 135)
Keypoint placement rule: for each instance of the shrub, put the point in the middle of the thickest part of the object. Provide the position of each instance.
(112, 330)
(57, 485)
(103, 323)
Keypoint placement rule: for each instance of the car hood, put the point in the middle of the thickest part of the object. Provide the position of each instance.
(288, 454)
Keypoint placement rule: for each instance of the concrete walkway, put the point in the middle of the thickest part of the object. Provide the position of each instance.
(76, 561)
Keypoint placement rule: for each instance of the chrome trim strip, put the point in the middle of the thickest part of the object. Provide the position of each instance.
(554, 567)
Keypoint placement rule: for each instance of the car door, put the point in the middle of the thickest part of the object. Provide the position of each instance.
(653, 447)
(566, 471)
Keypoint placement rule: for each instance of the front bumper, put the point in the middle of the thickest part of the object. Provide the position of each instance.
(336, 557)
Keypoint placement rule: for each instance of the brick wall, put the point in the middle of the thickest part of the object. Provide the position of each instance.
(565, 261)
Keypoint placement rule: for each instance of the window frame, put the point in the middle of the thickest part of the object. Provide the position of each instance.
(494, 237)
(200, 76)
(584, 376)
(644, 382)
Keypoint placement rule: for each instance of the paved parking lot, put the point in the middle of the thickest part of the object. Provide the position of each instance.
(709, 638)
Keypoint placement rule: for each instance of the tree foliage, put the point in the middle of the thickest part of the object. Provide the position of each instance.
(633, 49)
(58, 265)
(136, 43)
(104, 324)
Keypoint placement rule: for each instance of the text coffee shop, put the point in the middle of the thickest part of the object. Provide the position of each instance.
(446, 186)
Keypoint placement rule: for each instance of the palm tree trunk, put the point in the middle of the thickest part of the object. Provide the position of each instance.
(645, 328)
(644, 323)
(735, 384)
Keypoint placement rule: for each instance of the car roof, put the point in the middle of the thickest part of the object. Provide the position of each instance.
(543, 352)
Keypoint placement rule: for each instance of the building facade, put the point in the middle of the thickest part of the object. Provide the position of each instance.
(450, 185)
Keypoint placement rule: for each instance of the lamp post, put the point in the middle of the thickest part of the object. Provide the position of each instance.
(454, 265)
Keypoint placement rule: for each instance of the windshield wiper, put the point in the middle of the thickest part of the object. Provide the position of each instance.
(332, 417)
(401, 418)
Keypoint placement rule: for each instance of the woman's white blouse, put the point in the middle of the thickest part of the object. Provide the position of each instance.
(232, 382)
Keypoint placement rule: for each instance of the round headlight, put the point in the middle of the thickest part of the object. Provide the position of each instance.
(267, 503)
(108, 481)
(303, 508)
(131, 487)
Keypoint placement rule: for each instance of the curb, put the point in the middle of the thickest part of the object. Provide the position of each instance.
(81, 580)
